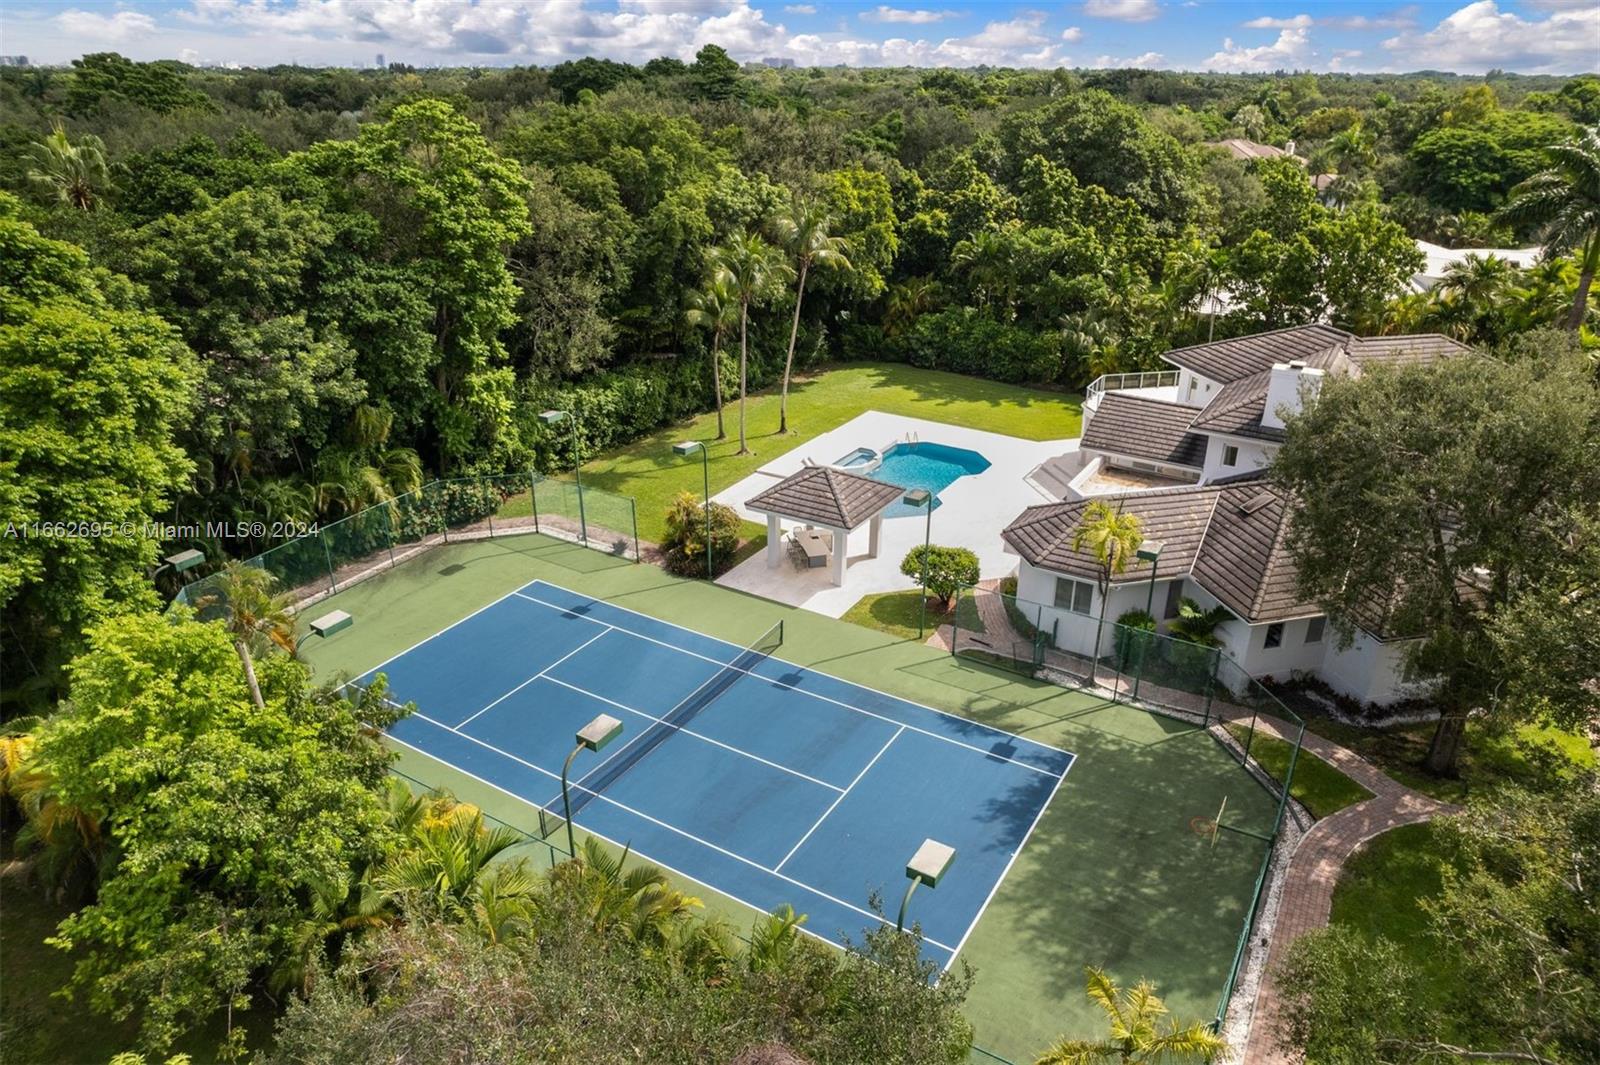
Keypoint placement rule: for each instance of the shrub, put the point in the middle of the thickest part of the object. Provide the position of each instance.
(685, 543)
(963, 340)
(1133, 636)
(949, 568)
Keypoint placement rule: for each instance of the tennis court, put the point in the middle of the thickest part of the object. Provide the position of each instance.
(769, 782)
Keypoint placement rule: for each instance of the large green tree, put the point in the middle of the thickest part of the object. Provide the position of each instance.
(806, 232)
(218, 814)
(751, 270)
(92, 389)
(1562, 204)
(1432, 499)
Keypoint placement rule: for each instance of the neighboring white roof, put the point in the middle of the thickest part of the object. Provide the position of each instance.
(1441, 259)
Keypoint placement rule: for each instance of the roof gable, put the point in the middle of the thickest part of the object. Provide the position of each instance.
(1228, 360)
(1146, 429)
(1175, 516)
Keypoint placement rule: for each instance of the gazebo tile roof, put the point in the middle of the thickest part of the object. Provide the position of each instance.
(825, 496)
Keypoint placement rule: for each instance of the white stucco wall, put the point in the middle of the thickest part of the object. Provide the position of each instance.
(1253, 455)
(1195, 390)
(1368, 670)
(1073, 631)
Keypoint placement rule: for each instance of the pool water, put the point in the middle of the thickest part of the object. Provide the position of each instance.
(925, 465)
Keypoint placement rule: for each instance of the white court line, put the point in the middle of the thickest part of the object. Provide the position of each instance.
(446, 629)
(1001, 879)
(686, 732)
(673, 828)
(825, 698)
(818, 822)
(536, 676)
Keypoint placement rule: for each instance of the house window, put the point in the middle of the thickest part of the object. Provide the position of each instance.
(1274, 635)
(1076, 596)
(1230, 455)
(1174, 597)
(1314, 629)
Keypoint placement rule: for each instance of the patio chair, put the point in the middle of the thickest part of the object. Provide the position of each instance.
(797, 553)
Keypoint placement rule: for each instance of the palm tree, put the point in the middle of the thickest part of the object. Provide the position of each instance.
(1472, 298)
(750, 268)
(804, 231)
(715, 308)
(252, 615)
(1352, 149)
(1196, 624)
(1137, 1036)
(1563, 204)
(447, 864)
(909, 300)
(337, 910)
(1113, 537)
(640, 901)
(773, 939)
(74, 174)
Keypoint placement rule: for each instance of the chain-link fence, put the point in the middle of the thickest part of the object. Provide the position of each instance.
(1194, 680)
(382, 536)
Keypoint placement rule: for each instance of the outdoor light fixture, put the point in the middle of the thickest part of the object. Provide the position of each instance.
(927, 866)
(552, 417)
(185, 560)
(921, 497)
(592, 737)
(684, 450)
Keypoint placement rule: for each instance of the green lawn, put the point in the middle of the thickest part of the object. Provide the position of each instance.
(1488, 758)
(897, 613)
(1379, 891)
(1112, 875)
(826, 399)
(1318, 786)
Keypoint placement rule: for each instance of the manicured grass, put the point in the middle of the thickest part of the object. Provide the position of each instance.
(897, 614)
(1378, 896)
(1488, 757)
(1111, 876)
(1318, 786)
(824, 400)
(41, 1029)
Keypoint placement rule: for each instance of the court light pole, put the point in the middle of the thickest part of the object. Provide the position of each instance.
(592, 737)
(685, 449)
(927, 866)
(552, 417)
(1149, 551)
(921, 497)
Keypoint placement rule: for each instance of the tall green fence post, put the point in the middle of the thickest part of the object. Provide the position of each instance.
(583, 520)
(533, 496)
(391, 519)
(633, 513)
(328, 554)
(1211, 682)
(483, 487)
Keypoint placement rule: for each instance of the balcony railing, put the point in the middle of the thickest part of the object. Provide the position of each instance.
(1117, 382)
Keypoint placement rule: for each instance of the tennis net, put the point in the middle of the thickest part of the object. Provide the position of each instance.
(606, 774)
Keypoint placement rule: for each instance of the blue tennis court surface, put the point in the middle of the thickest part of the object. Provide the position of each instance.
(791, 786)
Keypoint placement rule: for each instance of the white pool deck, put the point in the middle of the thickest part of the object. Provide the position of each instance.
(971, 514)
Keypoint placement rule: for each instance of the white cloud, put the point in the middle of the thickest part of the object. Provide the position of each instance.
(1340, 57)
(1072, 34)
(1299, 22)
(1481, 37)
(122, 26)
(1397, 21)
(1291, 51)
(800, 9)
(898, 14)
(1121, 10)
(1147, 61)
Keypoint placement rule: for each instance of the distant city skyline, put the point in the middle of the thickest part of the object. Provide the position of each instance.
(1525, 36)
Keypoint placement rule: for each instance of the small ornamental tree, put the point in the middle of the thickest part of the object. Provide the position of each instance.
(685, 542)
(949, 569)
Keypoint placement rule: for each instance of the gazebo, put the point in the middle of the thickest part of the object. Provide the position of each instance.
(829, 504)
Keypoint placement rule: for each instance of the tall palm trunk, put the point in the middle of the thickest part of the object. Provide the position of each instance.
(1094, 663)
(1444, 751)
(716, 381)
(250, 674)
(744, 363)
(788, 363)
(1580, 303)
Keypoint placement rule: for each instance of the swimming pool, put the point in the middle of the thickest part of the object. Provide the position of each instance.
(925, 465)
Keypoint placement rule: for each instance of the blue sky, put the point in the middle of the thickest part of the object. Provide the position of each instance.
(1528, 36)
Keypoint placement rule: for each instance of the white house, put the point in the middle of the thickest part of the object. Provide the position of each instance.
(1186, 450)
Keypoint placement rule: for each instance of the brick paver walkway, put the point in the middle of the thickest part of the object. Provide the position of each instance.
(1307, 899)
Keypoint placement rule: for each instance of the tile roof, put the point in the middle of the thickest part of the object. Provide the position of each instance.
(827, 496)
(1146, 429)
(1175, 516)
(1240, 148)
(1228, 360)
(1393, 351)
(1237, 408)
(1232, 538)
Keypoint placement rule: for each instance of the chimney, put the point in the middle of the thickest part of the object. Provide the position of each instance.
(1291, 385)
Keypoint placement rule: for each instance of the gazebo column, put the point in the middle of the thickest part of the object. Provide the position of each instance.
(774, 542)
(875, 530)
(841, 551)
